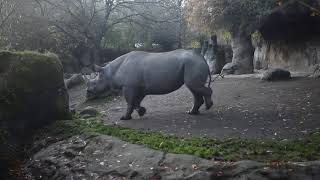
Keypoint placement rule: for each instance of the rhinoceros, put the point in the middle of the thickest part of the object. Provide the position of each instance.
(139, 74)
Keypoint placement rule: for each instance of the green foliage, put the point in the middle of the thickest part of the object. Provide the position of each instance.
(256, 38)
(226, 35)
(233, 15)
(229, 149)
(195, 44)
(256, 8)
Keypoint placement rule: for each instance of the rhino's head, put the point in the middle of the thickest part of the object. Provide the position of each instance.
(100, 84)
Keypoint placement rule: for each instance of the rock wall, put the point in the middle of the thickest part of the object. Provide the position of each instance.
(105, 157)
(214, 54)
(293, 56)
(290, 38)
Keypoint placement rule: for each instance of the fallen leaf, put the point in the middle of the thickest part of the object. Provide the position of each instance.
(195, 167)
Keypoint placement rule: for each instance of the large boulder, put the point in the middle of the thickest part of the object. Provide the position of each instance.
(32, 92)
(276, 74)
(229, 68)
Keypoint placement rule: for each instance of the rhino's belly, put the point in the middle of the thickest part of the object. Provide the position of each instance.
(164, 87)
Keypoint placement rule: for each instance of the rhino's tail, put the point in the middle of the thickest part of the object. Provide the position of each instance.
(209, 84)
(209, 73)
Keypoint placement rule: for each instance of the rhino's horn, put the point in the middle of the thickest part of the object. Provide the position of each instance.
(97, 68)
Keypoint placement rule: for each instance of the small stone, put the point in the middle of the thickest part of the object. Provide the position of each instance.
(89, 112)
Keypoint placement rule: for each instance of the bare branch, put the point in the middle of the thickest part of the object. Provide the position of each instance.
(8, 15)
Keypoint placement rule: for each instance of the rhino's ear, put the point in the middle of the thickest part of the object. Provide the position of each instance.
(97, 68)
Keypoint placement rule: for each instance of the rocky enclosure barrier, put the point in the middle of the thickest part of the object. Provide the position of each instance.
(105, 157)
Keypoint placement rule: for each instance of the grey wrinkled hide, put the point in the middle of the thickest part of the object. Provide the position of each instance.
(140, 73)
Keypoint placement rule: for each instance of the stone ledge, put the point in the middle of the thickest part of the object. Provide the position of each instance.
(105, 157)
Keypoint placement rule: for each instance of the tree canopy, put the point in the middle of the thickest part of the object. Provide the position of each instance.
(233, 15)
(62, 25)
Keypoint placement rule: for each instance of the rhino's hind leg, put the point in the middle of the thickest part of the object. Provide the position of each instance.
(198, 101)
(205, 92)
(207, 97)
(141, 110)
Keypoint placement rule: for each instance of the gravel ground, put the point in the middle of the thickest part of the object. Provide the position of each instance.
(244, 106)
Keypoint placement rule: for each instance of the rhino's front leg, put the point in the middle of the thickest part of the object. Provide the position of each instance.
(127, 116)
(132, 95)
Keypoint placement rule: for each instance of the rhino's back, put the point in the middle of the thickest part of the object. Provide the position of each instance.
(162, 60)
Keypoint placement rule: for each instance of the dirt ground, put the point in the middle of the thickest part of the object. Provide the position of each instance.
(243, 107)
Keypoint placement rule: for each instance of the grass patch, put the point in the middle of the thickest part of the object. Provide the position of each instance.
(305, 149)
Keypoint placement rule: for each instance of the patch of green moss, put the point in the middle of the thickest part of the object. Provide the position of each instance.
(27, 73)
(229, 149)
(31, 71)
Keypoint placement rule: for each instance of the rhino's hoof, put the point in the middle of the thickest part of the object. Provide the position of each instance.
(208, 106)
(142, 111)
(125, 118)
(193, 112)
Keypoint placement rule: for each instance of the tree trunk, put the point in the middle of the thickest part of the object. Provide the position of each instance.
(243, 53)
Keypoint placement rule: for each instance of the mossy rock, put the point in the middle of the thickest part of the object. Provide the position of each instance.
(32, 89)
(31, 72)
